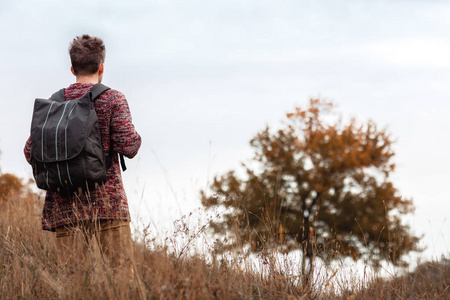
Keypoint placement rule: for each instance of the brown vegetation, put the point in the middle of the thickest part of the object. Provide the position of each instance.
(29, 269)
(430, 280)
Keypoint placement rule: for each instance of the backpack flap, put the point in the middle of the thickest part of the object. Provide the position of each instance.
(58, 129)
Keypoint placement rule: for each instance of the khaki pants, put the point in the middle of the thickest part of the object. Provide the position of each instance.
(76, 243)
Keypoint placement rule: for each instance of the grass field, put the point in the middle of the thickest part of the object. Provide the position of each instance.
(174, 269)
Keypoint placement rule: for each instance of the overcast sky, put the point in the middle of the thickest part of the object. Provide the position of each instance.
(203, 77)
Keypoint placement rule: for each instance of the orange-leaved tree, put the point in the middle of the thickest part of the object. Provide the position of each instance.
(320, 185)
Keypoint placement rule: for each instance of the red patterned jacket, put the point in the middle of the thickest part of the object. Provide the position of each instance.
(118, 135)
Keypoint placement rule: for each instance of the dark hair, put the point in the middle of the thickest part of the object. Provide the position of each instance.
(86, 54)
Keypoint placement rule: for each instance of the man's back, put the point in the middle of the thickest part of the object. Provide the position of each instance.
(118, 136)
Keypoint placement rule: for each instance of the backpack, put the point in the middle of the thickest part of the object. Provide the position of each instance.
(66, 148)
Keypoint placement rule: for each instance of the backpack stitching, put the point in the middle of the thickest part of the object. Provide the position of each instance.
(56, 133)
(42, 137)
(67, 124)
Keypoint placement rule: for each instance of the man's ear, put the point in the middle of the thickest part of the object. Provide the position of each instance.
(73, 72)
(101, 68)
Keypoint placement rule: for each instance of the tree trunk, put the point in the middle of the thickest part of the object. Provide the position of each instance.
(308, 253)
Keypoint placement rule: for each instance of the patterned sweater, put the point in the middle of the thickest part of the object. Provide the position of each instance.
(118, 135)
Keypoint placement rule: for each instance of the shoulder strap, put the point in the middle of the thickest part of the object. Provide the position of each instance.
(98, 89)
(122, 162)
(58, 96)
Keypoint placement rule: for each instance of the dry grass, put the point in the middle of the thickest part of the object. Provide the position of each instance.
(175, 270)
(430, 280)
(29, 269)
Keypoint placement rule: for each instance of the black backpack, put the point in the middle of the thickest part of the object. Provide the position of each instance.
(66, 149)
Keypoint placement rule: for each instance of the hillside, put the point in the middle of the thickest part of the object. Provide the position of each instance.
(29, 269)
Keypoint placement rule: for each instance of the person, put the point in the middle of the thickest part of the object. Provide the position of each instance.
(101, 214)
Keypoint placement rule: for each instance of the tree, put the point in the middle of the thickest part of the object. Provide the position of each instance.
(320, 185)
(12, 186)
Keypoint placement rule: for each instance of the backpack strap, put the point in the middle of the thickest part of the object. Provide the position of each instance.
(58, 96)
(97, 90)
(122, 162)
(109, 160)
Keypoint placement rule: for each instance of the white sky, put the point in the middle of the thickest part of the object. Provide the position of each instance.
(202, 77)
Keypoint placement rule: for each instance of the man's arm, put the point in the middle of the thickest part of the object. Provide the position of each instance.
(124, 136)
(27, 150)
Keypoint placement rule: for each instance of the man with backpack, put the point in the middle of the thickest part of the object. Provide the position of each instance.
(76, 139)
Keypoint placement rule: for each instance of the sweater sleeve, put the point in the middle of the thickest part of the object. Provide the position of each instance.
(125, 139)
(27, 150)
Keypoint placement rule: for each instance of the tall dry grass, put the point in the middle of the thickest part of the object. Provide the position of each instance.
(174, 269)
(430, 280)
(29, 267)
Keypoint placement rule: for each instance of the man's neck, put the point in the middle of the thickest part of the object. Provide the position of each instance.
(88, 79)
